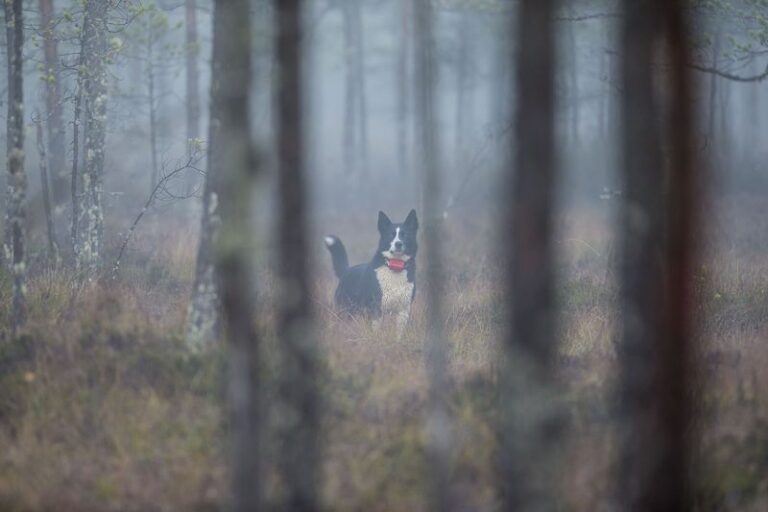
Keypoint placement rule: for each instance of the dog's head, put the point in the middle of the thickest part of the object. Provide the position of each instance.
(398, 241)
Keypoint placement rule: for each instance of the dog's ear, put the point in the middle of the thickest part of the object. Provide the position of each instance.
(411, 222)
(384, 223)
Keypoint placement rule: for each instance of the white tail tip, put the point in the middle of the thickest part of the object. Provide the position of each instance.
(329, 241)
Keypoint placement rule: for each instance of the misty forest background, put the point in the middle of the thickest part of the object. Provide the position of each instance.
(169, 341)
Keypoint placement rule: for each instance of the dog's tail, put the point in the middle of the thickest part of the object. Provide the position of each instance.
(338, 255)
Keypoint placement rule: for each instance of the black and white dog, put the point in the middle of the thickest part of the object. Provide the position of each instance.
(387, 284)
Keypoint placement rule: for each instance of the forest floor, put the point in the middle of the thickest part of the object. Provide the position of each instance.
(102, 407)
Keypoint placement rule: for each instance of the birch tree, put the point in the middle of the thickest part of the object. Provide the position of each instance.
(529, 419)
(298, 462)
(14, 246)
(231, 165)
(93, 79)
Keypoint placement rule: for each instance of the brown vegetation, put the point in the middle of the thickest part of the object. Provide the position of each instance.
(105, 408)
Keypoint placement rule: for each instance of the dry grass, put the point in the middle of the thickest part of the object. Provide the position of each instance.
(103, 408)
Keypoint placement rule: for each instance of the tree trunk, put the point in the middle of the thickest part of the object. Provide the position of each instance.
(15, 252)
(75, 177)
(152, 104)
(439, 424)
(360, 96)
(655, 272)
(298, 386)
(573, 85)
(53, 246)
(192, 103)
(462, 71)
(231, 173)
(530, 419)
(53, 104)
(350, 95)
(403, 60)
(94, 49)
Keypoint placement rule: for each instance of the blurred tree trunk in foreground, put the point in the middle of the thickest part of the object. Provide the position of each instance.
(529, 419)
(231, 171)
(88, 251)
(298, 387)
(14, 246)
(439, 428)
(656, 226)
(54, 120)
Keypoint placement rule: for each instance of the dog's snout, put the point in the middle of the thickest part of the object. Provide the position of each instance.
(398, 245)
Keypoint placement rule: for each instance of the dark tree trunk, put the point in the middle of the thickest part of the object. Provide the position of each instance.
(298, 392)
(15, 250)
(231, 172)
(53, 105)
(530, 419)
(439, 424)
(656, 262)
(94, 82)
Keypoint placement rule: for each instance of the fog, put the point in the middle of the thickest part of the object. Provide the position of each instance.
(112, 403)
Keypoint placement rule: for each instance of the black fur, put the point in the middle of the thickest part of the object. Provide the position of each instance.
(359, 291)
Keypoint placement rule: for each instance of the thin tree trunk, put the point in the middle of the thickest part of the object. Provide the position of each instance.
(350, 103)
(656, 262)
(152, 104)
(75, 178)
(298, 464)
(53, 246)
(530, 419)
(462, 71)
(403, 61)
(605, 88)
(231, 174)
(15, 252)
(54, 112)
(360, 96)
(439, 424)
(712, 107)
(573, 69)
(192, 103)
(89, 253)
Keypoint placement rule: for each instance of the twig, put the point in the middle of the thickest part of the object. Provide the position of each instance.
(160, 186)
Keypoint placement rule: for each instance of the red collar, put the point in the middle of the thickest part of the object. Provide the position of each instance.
(395, 265)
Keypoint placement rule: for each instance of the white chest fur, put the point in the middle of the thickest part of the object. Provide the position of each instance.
(396, 291)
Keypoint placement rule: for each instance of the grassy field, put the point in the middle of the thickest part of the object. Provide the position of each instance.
(102, 407)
